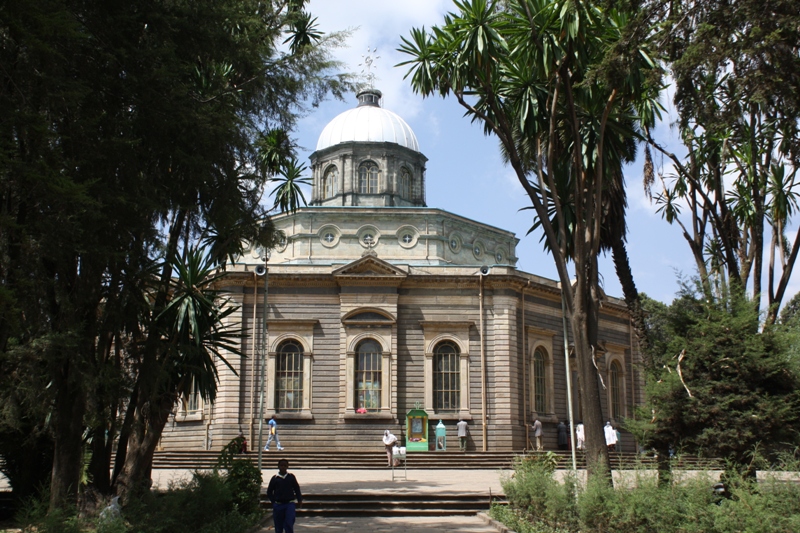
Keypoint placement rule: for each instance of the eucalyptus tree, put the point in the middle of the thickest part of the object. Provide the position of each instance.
(736, 67)
(128, 132)
(554, 81)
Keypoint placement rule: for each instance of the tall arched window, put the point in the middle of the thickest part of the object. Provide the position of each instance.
(539, 381)
(368, 375)
(193, 401)
(368, 174)
(404, 185)
(330, 182)
(615, 383)
(446, 377)
(289, 377)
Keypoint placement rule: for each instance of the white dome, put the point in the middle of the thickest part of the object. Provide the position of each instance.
(368, 123)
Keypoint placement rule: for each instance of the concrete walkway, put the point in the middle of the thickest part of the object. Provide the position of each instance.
(399, 524)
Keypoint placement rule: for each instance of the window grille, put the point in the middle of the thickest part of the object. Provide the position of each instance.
(368, 178)
(615, 379)
(289, 377)
(539, 382)
(446, 377)
(405, 184)
(368, 375)
(331, 182)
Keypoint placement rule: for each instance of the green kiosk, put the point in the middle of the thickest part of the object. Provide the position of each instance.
(417, 430)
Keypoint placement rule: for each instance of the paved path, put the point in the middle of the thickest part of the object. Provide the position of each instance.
(325, 481)
(399, 524)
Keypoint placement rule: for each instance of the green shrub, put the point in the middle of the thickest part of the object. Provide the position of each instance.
(244, 482)
(33, 516)
(645, 506)
(519, 522)
(534, 492)
(185, 507)
(539, 504)
(770, 506)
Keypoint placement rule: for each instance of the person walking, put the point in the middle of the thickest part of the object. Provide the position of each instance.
(563, 439)
(580, 436)
(537, 433)
(463, 429)
(284, 493)
(273, 434)
(389, 440)
(611, 437)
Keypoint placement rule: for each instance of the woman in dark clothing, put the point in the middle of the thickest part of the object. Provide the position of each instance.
(563, 441)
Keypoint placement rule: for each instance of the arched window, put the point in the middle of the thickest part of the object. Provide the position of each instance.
(368, 375)
(330, 182)
(446, 377)
(404, 185)
(368, 174)
(193, 401)
(539, 381)
(615, 384)
(289, 377)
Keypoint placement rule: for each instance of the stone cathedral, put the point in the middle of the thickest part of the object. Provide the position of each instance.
(377, 305)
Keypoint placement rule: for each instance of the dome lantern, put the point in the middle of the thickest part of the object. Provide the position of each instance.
(368, 156)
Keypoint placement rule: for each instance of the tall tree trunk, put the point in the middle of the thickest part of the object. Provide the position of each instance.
(68, 431)
(100, 463)
(147, 427)
(124, 435)
(584, 324)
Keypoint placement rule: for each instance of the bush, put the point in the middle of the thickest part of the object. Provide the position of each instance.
(244, 481)
(539, 504)
(207, 503)
(534, 492)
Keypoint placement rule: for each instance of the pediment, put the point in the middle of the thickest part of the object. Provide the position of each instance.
(370, 266)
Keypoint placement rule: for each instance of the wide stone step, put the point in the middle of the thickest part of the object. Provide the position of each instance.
(304, 459)
(377, 503)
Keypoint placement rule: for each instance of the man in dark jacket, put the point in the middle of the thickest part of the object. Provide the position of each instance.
(283, 491)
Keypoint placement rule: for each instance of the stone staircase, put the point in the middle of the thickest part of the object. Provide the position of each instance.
(345, 460)
(377, 503)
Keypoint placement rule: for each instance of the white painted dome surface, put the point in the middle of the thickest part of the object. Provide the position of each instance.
(368, 123)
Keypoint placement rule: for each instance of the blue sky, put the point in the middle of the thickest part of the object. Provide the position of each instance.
(465, 174)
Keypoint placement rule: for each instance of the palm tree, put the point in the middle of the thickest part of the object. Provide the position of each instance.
(535, 73)
(193, 337)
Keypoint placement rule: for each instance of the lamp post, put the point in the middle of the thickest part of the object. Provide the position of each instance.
(569, 390)
(263, 271)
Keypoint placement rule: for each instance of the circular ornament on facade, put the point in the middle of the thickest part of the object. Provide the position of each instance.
(368, 236)
(407, 236)
(454, 242)
(500, 256)
(329, 236)
(280, 247)
(477, 249)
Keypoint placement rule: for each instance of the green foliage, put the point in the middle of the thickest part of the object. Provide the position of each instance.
(567, 90)
(244, 481)
(34, 517)
(736, 75)
(533, 491)
(725, 388)
(130, 133)
(642, 505)
(243, 478)
(206, 503)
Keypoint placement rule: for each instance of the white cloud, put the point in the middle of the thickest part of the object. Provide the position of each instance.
(380, 25)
